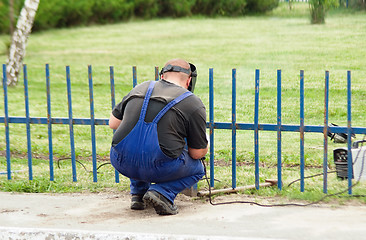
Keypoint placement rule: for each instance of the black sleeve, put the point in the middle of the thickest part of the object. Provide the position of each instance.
(119, 108)
(117, 111)
(139, 90)
(196, 135)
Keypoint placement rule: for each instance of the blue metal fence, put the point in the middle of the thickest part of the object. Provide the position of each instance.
(211, 125)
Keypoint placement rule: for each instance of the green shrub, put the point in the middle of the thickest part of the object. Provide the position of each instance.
(357, 4)
(65, 13)
(50, 14)
(175, 8)
(76, 12)
(4, 14)
(232, 7)
(219, 7)
(261, 6)
(105, 11)
(146, 8)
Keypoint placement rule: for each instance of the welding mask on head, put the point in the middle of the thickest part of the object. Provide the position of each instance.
(192, 72)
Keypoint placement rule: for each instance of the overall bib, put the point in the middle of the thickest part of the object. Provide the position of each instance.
(139, 157)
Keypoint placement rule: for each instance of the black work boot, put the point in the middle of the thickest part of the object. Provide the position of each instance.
(160, 203)
(137, 203)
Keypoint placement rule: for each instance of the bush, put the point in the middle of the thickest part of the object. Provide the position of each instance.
(50, 14)
(261, 6)
(4, 14)
(65, 13)
(357, 4)
(146, 8)
(220, 7)
(175, 8)
(105, 11)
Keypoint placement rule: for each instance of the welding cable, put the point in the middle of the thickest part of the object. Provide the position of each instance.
(62, 159)
(316, 175)
(247, 202)
(279, 205)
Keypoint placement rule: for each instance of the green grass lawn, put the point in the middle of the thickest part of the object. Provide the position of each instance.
(282, 39)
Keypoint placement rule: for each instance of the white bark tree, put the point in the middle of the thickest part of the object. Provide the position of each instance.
(19, 40)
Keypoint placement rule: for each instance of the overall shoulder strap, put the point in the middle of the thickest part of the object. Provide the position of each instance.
(146, 100)
(170, 105)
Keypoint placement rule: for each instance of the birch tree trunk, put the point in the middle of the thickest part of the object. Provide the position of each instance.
(19, 40)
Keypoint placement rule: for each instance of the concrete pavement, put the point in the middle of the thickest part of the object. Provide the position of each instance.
(107, 216)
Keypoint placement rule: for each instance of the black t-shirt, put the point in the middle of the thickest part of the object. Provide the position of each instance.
(187, 119)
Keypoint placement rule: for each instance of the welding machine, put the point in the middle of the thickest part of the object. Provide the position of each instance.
(358, 161)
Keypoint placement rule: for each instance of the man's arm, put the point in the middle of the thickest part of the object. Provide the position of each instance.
(114, 122)
(197, 153)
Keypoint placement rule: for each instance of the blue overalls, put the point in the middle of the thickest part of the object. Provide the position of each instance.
(139, 157)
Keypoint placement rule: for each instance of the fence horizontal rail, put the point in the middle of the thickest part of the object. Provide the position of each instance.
(216, 125)
(211, 124)
(44, 120)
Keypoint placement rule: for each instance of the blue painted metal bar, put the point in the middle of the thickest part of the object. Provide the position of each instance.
(71, 127)
(27, 123)
(92, 125)
(256, 129)
(134, 76)
(6, 121)
(211, 126)
(216, 125)
(302, 139)
(279, 135)
(156, 73)
(284, 127)
(233, 130)
(325, 133)
(349, 132)
(43, 120)
(113, 102)
(49, 123)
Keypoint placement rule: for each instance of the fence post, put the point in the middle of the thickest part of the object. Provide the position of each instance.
(92, 124)
(27, 122)
(302, 139)
(156, 73)
(6, 122)
(279, 137)
(211, 126)
(325, 133)
(349, 132)
(71, 126)
(49, 122)
(113, 102)
(256, 129)
(233, 130)
(134, 76)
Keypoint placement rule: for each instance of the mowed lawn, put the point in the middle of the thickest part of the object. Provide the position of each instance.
(279, 40)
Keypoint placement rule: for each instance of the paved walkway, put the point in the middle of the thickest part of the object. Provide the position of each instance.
(107, 216)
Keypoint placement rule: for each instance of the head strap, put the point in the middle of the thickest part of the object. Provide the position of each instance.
(191, 71)
(173, 68)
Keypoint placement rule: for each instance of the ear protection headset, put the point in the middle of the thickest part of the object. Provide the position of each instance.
(192, 72)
